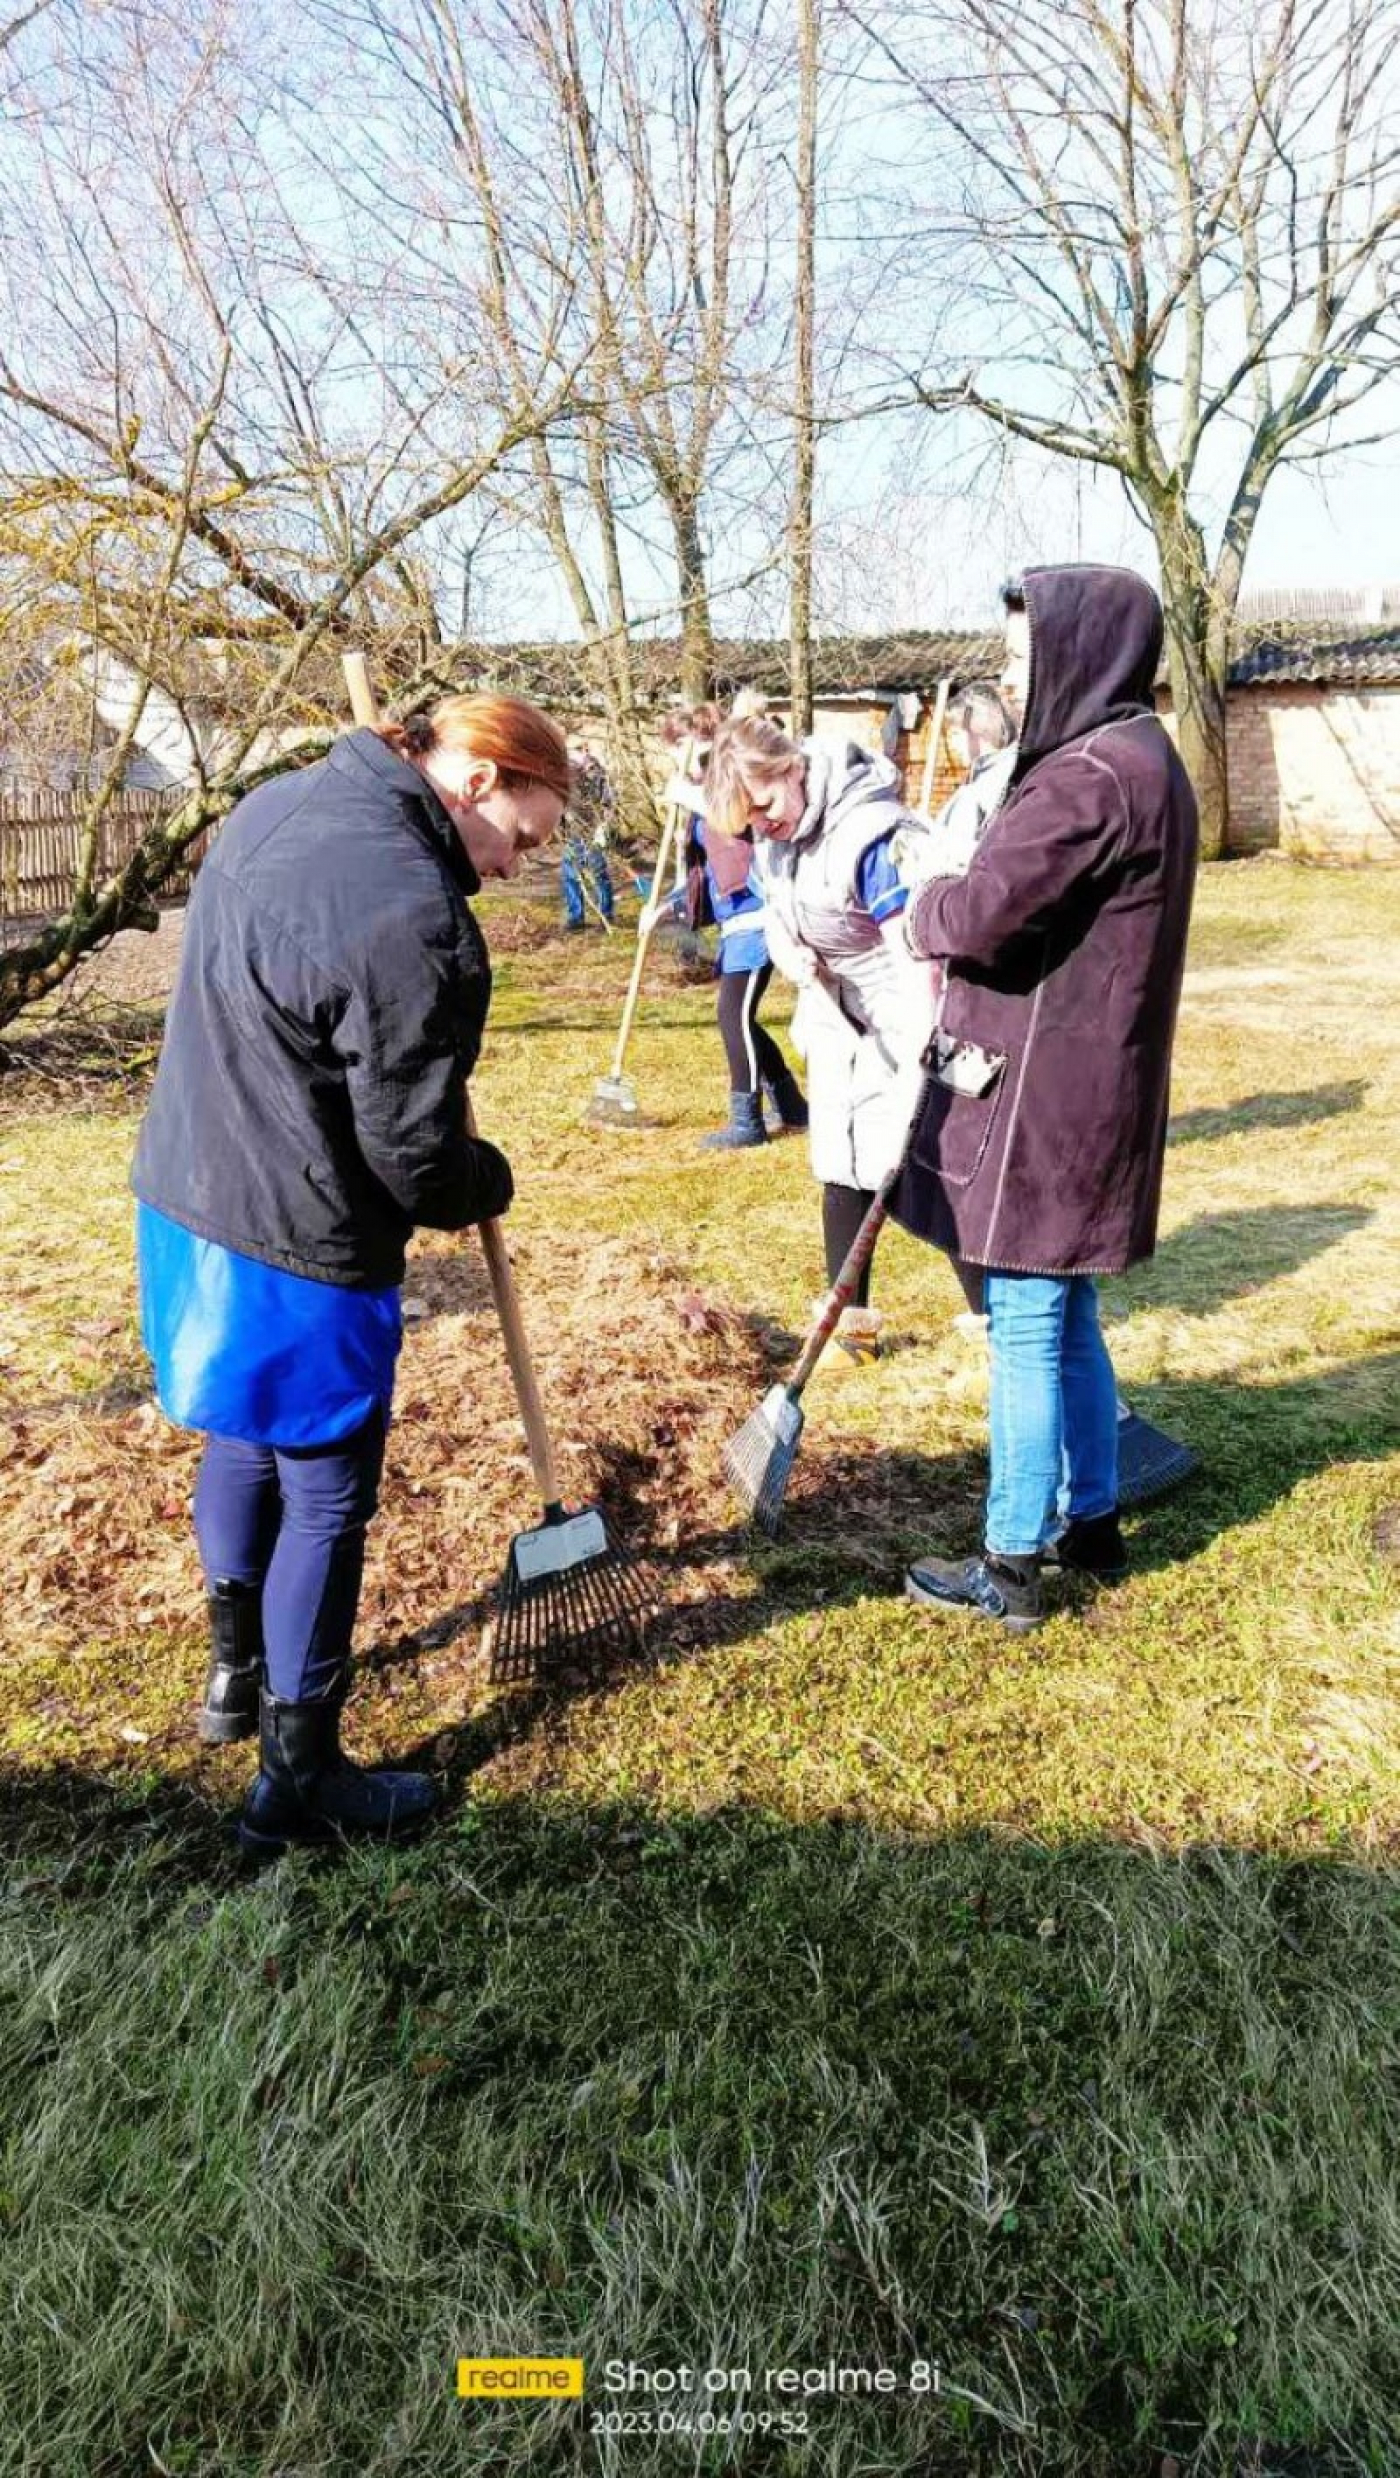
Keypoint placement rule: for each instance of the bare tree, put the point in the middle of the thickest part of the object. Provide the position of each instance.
(804, 314)
(654, 132)
(229, 426)
(628, 143)
(1170, 227)
(473, 154)
(11, 28)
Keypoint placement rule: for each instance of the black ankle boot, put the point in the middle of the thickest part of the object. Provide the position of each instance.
(1093, 1546)
(308, 1791)
(1005, 1589)
(789, 1101)
(230, 1707)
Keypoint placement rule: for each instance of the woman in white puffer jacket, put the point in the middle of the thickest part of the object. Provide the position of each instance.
(837, 853)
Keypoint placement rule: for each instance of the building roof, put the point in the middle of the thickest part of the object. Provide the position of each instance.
(1316, 652)
(1325, 652)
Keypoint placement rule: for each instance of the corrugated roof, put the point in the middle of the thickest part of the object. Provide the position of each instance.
(883, 666)
(841, 666)
(1348, 657)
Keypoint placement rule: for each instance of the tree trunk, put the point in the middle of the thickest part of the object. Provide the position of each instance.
(628, 764)
(1198, 704)
(34, 967)
(1198, 660)
(636, 801)
(697, 639)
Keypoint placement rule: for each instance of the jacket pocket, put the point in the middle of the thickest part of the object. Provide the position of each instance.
(955, 1129)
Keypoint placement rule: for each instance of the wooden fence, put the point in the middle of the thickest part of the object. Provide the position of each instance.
(39, 839)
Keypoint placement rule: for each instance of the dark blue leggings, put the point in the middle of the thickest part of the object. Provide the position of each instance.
(293, 1519)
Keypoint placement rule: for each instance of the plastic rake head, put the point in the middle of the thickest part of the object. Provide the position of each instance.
(1149, 1461)
(758, 1459)
(570, 1596)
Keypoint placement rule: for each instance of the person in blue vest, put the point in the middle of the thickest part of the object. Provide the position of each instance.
(723, 888)
(308, 1115)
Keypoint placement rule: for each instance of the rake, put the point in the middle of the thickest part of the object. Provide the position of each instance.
(614, 1102)
(569, 1591)
(1149, 1460)
(759, 1457)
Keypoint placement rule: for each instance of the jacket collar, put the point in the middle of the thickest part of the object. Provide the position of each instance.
(1096, 639)
(363, 752)
(834, 773)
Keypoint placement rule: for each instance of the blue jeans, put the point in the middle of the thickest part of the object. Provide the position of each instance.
(1054, 1423)
(292, 1518)
(583, 863)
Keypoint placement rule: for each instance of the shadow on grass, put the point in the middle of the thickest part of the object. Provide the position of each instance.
(1258, 1443)
(1096, 2132)
(654, 1016)
(1225, 1256)
(854, 1517)
(1270, 1110)
(852, 1521)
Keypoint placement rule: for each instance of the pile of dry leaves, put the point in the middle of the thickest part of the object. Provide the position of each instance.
(102, 1623)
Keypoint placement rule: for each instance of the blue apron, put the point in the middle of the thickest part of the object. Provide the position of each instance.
(243, 1349)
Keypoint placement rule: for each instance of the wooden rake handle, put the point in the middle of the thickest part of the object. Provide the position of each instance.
(847, 1282)
(364, 705)
(669, 831)
(522, 1366)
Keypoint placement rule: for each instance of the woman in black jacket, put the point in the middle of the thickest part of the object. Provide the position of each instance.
(308, 1114)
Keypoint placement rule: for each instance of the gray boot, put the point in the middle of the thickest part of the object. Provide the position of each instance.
(745, 1125)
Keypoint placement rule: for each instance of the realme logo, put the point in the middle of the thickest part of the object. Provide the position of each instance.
(519, 2379)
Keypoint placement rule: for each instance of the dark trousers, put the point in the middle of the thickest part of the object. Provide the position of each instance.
(293, 1519)
(843, 1211)
(752, 1054)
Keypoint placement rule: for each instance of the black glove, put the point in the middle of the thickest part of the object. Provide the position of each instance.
(492, 1186)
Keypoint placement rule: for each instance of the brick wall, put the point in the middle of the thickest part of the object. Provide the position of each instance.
(864, 723)
(1316, 772)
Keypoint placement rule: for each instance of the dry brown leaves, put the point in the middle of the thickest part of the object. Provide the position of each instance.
(102, 1621)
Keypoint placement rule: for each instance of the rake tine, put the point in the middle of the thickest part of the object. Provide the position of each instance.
(581, 1608)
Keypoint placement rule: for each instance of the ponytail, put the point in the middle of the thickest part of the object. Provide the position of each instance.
(521, 742)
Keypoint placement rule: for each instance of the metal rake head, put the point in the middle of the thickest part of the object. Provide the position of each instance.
(614, 1103)
(575, 1602)
(759, 1457)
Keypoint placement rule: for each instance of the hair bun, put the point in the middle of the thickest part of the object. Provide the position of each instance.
(417, 734)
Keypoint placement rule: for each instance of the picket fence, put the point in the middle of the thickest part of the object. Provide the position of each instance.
(39, 840)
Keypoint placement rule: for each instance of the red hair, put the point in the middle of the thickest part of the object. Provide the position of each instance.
(520, 741)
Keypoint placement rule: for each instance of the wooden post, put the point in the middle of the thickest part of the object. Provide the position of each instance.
(935, 735)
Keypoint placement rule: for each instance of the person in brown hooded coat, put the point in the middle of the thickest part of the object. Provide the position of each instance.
(1038, 1145)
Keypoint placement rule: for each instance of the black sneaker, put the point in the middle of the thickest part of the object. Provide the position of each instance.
(1006, 1589)
(1090, 1545)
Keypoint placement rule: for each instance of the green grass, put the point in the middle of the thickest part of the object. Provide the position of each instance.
(841, 1987)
